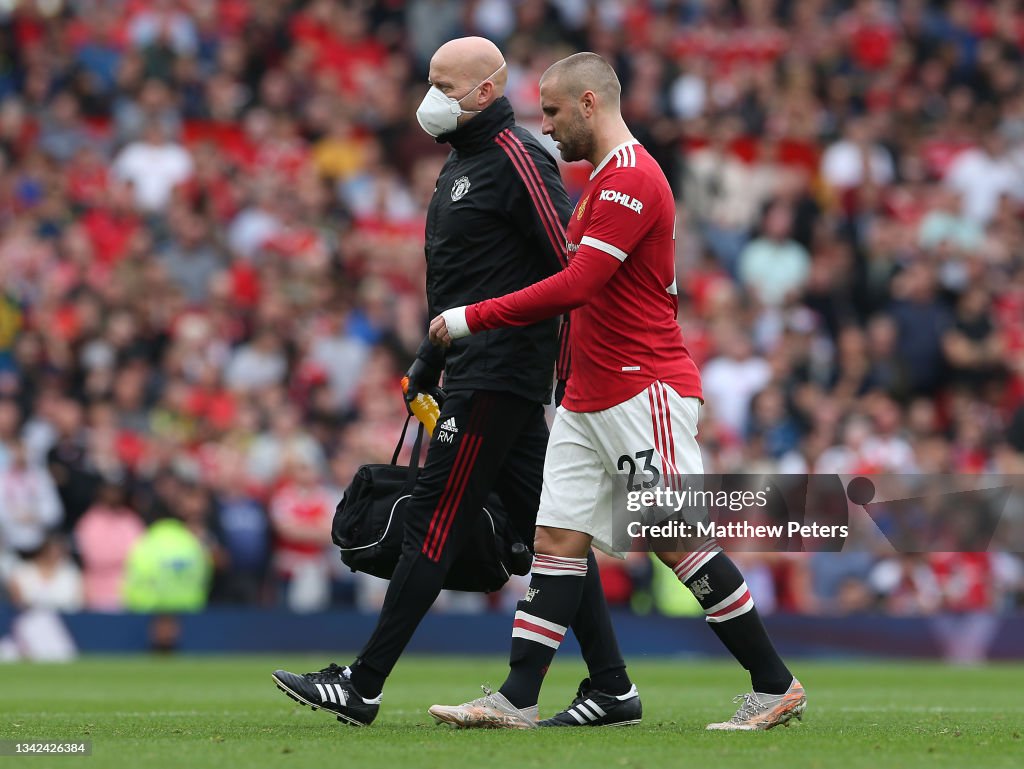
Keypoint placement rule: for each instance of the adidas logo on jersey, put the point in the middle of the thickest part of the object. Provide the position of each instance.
(447, 430)
(622, 199)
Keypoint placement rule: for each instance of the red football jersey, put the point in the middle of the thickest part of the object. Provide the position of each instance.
(620, 286)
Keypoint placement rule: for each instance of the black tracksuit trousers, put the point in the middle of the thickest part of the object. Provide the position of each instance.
(483, 442)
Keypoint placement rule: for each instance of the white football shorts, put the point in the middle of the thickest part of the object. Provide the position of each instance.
(648, 437)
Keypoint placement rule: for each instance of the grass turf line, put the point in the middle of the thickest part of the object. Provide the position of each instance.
(225, 712)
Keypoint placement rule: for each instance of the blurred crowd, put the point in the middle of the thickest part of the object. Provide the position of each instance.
(212, 277)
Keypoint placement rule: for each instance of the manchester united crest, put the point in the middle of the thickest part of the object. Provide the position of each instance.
(460, 188)
(582, 207)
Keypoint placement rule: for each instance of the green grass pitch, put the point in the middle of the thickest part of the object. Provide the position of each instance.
(226, 712)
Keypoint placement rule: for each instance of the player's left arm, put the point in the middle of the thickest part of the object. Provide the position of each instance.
(617, 223)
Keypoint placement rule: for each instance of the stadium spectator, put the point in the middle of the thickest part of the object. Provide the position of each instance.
(839, 582)
(338, 352)
(724, 194)
(162, 23)
(70, 462)
(258, 364)
(286, 443)
(857, 159)
(907, 585)
(944, 225)
(300, 514)
(973, 346)
(731, 379)
(243, 529)
(773, 267)
(47, 580)
(30, 507)
(771, 423)
(154, 166)
(922, 319)
(983, 175)
(189, 256)
(194, 506)
(104, 537)
(168, 570)
(62, 135)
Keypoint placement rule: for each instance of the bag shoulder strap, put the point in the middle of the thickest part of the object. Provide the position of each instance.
(401, 441)
(416, 446)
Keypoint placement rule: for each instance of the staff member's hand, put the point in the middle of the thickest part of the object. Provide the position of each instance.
(421, 379)
(449, 326)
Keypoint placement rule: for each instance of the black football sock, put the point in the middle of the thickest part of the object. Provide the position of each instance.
(367, 681)
(722, 592)
(592, 627)
(542, 617)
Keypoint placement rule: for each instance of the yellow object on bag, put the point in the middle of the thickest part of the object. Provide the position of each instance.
(423, 407)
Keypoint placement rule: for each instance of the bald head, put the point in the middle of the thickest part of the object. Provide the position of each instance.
(581, 72)
(466, 63)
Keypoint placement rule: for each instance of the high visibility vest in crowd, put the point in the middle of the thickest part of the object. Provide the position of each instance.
(670, 597)
(168, 570)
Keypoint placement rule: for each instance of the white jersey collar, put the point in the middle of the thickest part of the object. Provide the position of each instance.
(610, 155)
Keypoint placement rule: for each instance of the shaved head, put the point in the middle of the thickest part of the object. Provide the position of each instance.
(579, 101)
(464, 63)
(581, 72)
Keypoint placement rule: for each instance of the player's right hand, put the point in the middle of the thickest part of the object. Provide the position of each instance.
(448, 326)
(438, 332)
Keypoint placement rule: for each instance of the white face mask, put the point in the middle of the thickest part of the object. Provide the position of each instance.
(439, 114)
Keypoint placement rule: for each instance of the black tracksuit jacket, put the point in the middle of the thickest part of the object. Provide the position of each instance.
(495, 225)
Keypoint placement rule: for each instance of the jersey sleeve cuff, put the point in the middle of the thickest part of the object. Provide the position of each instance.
(455, 320)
